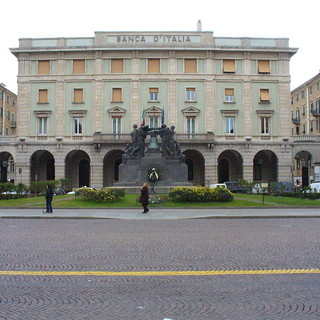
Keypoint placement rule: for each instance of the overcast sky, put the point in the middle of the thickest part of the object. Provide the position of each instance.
(298, 21)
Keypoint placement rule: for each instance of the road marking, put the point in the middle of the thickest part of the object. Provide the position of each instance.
(159, 273)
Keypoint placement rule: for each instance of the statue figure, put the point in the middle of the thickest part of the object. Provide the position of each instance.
(135, 149)
(166, 137)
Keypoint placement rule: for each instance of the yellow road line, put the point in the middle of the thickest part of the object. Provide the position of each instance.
(159, 273)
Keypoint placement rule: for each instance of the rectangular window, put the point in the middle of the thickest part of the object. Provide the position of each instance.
(44, 67)
(154, 65)
(264, 66)
(230, 125)
(191, 94)
(43, 96)
(79, 66)
(7, 131)
(318, 85)
(310, 89)
(229, 95)
(116, 65)
(302, 94)
(13, 118)
(190, 65)
(264, 96)
(229, 66)
(42, 126)
(78, 95)
(116, 94)
(116, 125)
(154, 122)
(191, 125)
(1, 112)
(153, 94)
(8, 115)
(265, 125)
(77, 125)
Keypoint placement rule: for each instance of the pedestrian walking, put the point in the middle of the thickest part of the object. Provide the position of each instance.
(49, 197)
(144, 198)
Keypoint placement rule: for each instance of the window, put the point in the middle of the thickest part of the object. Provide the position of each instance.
(229, 125)
(116, 125)
(229, 66)
(297, 130)
(303, 110)
(153, 94)
(8, 115)
(190, 65)
(13, 102)
(7, 131)
(265, 125)
(116, 94)
(191, 125)
(13, 118)
(302, 94)
(44, 67)
(191, 94)
(298, 114)
(310, 89)
(264, 96)
(154, 122)
(42, 126)
(311, 106)
(264, 67)
(1, 112)
(229, 95)
(77, 95)
(77, 126)
(116, 65)
(43, 96)
(79, 66)
(154, 65)
(318, 85)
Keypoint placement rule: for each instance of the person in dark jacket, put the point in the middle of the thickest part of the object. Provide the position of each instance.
(49, 197)
(144, 198)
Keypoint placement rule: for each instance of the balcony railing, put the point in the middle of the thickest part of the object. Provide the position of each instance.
(310, 138)
(295, 120)
(315, 112)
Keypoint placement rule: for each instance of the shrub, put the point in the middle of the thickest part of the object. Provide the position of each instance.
(103, 195)
(37, 187)
(200, 194)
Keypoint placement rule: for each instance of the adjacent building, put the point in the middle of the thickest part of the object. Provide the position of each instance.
(8, 124)
(305, 117)
(228, 98)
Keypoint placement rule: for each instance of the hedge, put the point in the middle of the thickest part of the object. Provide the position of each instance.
(200, 194)
(103, 195)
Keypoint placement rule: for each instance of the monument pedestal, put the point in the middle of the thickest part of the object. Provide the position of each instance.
(134, 173)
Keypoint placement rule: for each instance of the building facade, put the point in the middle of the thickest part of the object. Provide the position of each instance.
(8, 124)
(228, 98)
(305, 117)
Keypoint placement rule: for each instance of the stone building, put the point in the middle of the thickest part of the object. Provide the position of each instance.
(8, 111)
(305, 127)
(228, 98)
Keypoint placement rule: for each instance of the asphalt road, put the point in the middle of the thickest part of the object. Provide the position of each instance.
(122, 269)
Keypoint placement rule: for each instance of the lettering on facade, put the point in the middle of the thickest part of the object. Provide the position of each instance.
(155, 39)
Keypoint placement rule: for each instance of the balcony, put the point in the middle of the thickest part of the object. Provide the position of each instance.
(316, 113)
(13, 124)
(295, 121)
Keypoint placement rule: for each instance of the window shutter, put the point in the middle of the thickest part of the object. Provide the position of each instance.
(229, 66)
(43, 67)
(79, 66)
(264, 66)
(229, 92)
(116, 65)
(116, 95)
(154, 65)
(190, 65)
(264, 95)
(78, 95)
(43, 95)
(153, 90)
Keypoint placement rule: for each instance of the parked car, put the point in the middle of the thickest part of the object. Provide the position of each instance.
(59, 191)
(223, 185)
(314, 187)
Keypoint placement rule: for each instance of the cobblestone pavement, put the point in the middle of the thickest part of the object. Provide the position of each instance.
(179, 245)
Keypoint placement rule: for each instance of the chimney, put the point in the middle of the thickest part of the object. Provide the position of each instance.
(199, 26)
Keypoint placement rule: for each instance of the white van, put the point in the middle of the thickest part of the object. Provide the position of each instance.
(315, 187)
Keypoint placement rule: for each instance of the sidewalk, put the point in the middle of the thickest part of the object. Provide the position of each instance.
(161, 213)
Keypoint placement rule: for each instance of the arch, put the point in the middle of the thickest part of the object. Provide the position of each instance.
(230, 166)
(195, 162)
(302, 168)
(111, 163)
(77, 169)
(7, 172)
(265, 166)
(42, 166)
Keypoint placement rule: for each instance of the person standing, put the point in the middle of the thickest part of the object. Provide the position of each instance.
(49, 197)
(144, 198)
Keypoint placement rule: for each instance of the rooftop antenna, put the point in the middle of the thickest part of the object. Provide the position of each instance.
(199, 26)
